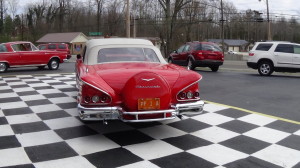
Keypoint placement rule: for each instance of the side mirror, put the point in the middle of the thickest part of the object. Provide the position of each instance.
(78, 56)
(175, 51)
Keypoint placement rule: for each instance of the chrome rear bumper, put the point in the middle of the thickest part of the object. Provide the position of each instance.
(117, 113)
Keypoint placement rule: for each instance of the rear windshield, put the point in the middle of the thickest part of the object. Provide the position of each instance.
(3, 48)
(264, 47)
(208, 47)
(62, 46)
(126, 55)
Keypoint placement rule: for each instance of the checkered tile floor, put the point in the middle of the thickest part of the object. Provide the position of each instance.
(39, 128)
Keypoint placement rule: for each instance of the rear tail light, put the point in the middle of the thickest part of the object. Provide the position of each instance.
(91, 95)
(251, 54)
(189, 93)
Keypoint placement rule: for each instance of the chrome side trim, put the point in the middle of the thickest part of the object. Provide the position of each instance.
(33, 65)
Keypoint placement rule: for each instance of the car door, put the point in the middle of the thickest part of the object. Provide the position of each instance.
(296, 57)
(177, 57)
(185, 54)
(29, 55)
(283, 55)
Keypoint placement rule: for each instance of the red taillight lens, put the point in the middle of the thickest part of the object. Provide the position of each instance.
(91, 95)
(189, 93)
(251, 54)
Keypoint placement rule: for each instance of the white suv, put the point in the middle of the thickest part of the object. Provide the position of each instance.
(274, 56)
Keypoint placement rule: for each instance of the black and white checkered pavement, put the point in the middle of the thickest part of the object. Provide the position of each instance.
(39, 128)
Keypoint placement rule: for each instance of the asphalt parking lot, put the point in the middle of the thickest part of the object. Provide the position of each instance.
(39, 127)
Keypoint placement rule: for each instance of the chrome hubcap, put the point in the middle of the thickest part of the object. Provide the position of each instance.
(2, 67)
(54, 64)
(265, 68)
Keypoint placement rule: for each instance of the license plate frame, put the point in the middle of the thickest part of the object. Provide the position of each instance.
(148, 104)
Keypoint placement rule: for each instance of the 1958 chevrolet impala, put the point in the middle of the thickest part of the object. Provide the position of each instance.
(129, 80)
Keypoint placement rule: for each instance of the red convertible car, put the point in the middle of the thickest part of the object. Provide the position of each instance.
(21, 54)
(129, 80)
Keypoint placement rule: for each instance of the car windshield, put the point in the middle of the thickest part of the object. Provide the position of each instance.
(126, 55)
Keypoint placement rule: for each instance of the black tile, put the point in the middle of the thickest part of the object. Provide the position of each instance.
(17, 111)
(251, 162)
(52, 151)
(22, 166)
(245, 144)
(68, 105)
(189, 125)
(29, 127)
(75, 132)
(9, 142)
(182, 160)
(28, 93)
(112, 158)
(187, 142)
(56, 83)
(33, 82)
(55, 95)
(297, 165)
(38, 102)
(43, 87)
(10, 99)
(13, 80)
(128, 137)
(238, 126)
(3, 84)
(284, 126)
(232, 113)
(292, 141)
(19, 86)
(3, 121)
(68, 89)
(143, 124)
(53, 115)
(7, 91)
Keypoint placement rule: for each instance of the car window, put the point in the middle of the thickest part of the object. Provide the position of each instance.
(52, 46)
(211, 47)
(296, 49)
(126, 55)
(22, 47)
(186, 48)
(62, 46)
(180, 49)
(3, 48)
(285, 48)
(264, 47)
(198, 47)
(42, 47)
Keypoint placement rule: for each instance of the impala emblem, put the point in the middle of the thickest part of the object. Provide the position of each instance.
(148, 79)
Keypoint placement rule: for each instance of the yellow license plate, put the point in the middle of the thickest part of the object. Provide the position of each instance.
(149, 104)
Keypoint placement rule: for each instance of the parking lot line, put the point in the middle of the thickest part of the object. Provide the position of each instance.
(254, 112)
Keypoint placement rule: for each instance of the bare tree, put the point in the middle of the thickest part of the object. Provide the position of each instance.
(13, 7)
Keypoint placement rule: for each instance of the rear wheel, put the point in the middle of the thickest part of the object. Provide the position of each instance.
(214, 68)
(190, 65)
(3, 67)
(53, 64)
(170, 61)
(265, 68)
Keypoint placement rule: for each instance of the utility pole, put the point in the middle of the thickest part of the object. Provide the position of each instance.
(222, 26)
(268, 20)
(127, 20)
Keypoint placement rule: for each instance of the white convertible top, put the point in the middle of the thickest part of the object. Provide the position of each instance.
(93, 46)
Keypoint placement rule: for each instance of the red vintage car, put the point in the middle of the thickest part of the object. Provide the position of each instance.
(21, 54)
(129, 80)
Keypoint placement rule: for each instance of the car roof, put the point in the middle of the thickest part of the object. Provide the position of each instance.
(16, 42)
(117, 41)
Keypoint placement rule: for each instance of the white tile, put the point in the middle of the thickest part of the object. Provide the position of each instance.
(38, 84)
(162, 131)
(6, 130)
(213, 108)
(13, 156)
(13, 105)
(5, 87)
(213, 118)
(61, 86)
(48, 91)
(72, 112)
(30, 80)
(72, 162)
(279, 155)
(16, 83)
(45, 108)
(91, 144)
(142, 164)
(10, 78)
(7, 95)
(63, 123)
(50, 81)
(1, 113)
(70, 82)
(38, 138)
(257, 119)
(71, 94)
(25, 89)
(215, 134)
(153, 149)
(32, 97)
(218, 154)
(267, 134)
(62, 99)
(19, 119)
(297, 132)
